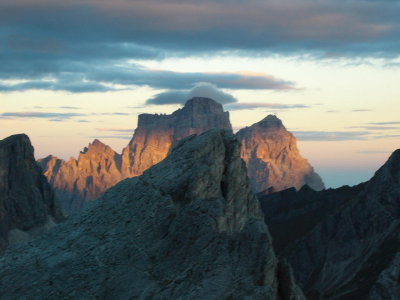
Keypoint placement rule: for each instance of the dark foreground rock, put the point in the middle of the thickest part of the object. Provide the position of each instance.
(188, 228)
(342, 243)
(27, 203)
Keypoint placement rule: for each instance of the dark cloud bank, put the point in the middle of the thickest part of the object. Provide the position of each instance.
(84, 46)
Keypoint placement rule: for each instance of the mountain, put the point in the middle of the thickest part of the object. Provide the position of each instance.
(27, 203)
(97, 168)
(273, 159)
(156, 134)
(342, 243)
(269, 151)
(188, 228)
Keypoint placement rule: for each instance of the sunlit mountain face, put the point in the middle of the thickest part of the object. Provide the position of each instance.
(76, 71)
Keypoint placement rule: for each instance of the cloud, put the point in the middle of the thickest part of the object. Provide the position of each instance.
(209, 90)
(139, 28)
(258, 105)
(88, 78)
(59, 85)
(124, 137)
(129, 130)
(373, 152)
(361, 110)
(376, 127)
(54, 116)
(203, 89)
(169, 97)
(330, 135)
(86, 46)
(40, 115)
(385, 123)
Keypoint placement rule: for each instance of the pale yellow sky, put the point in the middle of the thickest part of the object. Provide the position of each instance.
(342, 97)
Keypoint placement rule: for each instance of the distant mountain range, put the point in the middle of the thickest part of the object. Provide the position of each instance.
(269, 150)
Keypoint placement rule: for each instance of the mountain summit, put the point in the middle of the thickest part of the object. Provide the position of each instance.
(273, 159)
(156, 134)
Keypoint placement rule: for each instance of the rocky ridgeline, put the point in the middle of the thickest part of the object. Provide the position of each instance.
(97, 168)
(188, 228)
(342, 243)
(268, 149)
(27, 203)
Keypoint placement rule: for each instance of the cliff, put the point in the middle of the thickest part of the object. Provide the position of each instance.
(27, 203)
(273, 159)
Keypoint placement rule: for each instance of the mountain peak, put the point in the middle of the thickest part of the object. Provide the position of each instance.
(16, 138)
(203, 105)
(95, 146)
(273, 159)
(389, 172)
(271, 121)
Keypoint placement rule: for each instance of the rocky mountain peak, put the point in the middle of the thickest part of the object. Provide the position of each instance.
(156, 134)
(20, 144)
(96, 147)
(273, 159)
(391, 169)
(271, 122)
(202, 105)
(188, 228)
(27, 203)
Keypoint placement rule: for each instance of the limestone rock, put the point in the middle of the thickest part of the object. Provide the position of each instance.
(268, 149)
(343, 243)
(98, 167)
(156, 134)
(188, 228)
(27, 203)
(86, 178)
(273, 159)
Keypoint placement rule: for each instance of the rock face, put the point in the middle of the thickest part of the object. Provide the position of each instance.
(188, 228)
(86, 178)
(27, 203)
(273, 159)
(344, 243)
(269, 151)
(156, 134)
(99, 167)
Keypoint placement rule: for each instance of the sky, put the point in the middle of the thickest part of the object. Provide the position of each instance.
(72, 71)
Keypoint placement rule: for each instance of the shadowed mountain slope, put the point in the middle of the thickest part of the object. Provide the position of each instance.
(188, 228)
(342, 243)
(27, 203)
